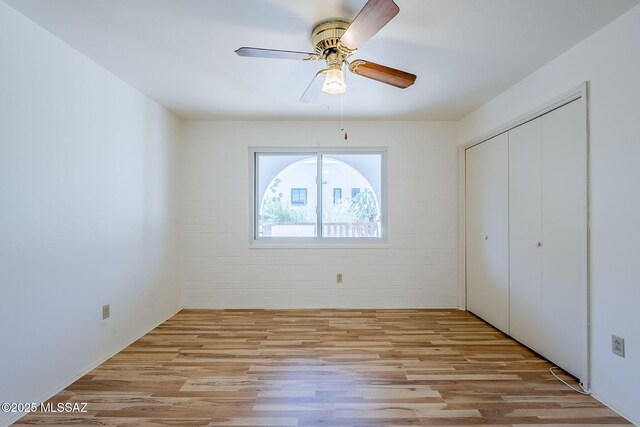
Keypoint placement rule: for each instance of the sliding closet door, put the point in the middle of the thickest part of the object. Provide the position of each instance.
(487, 228)
(564, 237)
(525, 230)
(526, 235)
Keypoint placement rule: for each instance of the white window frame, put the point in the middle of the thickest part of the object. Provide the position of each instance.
(318, 241)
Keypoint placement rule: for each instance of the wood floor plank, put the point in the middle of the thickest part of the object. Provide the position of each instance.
(326, 368)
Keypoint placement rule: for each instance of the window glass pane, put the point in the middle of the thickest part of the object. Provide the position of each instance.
(358, 214)
(286, 195)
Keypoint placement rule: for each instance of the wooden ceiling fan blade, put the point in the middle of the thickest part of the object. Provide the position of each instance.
(390, 76)
(256, 52)
(373, 16)
(315, 87)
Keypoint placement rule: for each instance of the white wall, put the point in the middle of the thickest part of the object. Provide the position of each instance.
(610, 61)
(87, 212)
(418, 269)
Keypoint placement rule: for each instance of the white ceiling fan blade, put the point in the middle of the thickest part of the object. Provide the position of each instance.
(256, 52)
(314, 88)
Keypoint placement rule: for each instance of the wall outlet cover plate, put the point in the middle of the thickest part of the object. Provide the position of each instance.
(617, 345)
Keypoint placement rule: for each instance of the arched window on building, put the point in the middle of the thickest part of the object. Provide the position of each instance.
(348, 197)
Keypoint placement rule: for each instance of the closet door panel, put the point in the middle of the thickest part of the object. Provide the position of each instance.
(525, 233)
(487, 230)
(564, 239)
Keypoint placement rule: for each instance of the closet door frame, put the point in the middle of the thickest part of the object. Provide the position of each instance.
(579, 92)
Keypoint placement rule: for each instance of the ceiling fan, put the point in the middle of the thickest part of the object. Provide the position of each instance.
(334, 41)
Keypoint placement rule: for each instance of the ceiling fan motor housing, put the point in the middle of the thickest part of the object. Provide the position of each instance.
(326, 37)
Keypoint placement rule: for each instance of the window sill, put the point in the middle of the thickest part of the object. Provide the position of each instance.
(317, 245)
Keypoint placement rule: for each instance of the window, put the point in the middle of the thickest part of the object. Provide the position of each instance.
(299, 196)
(292, 204)
(337, 196)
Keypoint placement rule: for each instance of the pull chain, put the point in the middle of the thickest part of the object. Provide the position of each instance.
(342, 103)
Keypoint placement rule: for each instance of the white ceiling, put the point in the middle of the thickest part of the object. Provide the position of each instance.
(181, 52)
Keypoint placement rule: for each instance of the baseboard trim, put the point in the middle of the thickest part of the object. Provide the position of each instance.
(66, 383)
(192, 307)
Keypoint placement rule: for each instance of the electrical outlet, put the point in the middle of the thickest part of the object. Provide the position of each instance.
(339, 278)
(617, 345)
(106, 311)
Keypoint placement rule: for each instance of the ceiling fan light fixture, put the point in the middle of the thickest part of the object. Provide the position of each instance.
(334, 82)
(336, 40)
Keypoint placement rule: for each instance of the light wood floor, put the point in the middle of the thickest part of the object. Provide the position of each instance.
(325, 368)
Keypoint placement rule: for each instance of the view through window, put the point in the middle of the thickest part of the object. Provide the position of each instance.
(345, 203)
